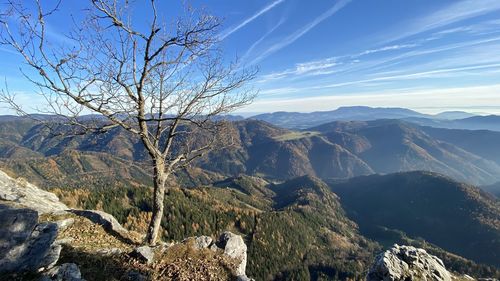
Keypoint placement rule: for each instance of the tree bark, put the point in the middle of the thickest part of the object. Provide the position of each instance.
(160, 178)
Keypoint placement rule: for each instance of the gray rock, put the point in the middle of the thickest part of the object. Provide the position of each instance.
(16, 225)
(106, 220)
(24, 194)
(63, 272)
(200, 242)
(203, 242)
(406, 263)
(65, 223)
(109, 251)
(234, 247)
(144, 253)
(214, 248)
(8, 196)
(26, 245)
(51, 257)
(64, 241)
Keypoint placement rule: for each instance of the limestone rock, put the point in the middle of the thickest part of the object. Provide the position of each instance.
(22, 193)
(235, 247)
(200, 242)
(65, 223)
(109, 251)
(406, 263)
(25, 244)
(63, 272)
(106, 220)
(144, 253)
(65, 241)
(214, 247)
(203, 242)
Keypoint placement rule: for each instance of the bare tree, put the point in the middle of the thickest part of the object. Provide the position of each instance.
(164, 83)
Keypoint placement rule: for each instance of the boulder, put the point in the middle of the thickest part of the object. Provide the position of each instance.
(229, 244)
(203, 242)
(406, 263)
(63, 272)
(234, 247)
(199, 242)
(65, 223)
(25, 244)
(144, 253)
(109, 251)
(214, 248)
(24, 194)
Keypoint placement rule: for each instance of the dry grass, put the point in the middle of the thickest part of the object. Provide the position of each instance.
(183, 262)
(86, 242)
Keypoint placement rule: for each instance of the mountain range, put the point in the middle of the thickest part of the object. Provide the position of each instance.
(311, 204)
(447, 119)
(340, 149)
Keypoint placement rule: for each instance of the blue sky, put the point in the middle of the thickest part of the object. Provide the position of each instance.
(427, 55)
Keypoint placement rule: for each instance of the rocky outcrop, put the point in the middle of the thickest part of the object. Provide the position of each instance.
(144, 253)
(202, 242)
(25, 244)
(234, 246)
(30, 246)
(19, 192)
(230, 244)
(63, 272)
(406, 263)
(106, 220)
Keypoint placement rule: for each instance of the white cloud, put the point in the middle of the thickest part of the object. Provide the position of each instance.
(456, 12)
(299, 33)
(387, 48)
(410, 76)
(256, 43)
(231, 30)
(302, 68)
(389, 62)
(317, 67)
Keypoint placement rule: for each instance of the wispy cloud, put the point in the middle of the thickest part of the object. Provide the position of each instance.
(256, 43)
(393, 61)
(233, 29)
(327, 65)
(482, 28)
(317, 67)
(453, 13)
(394, 78)
(387, 48)
(299, 33)
(410, 76)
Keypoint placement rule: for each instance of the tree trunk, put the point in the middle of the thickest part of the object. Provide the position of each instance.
(160, 178)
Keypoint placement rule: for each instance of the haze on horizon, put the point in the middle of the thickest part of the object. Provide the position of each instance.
(429, 56)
